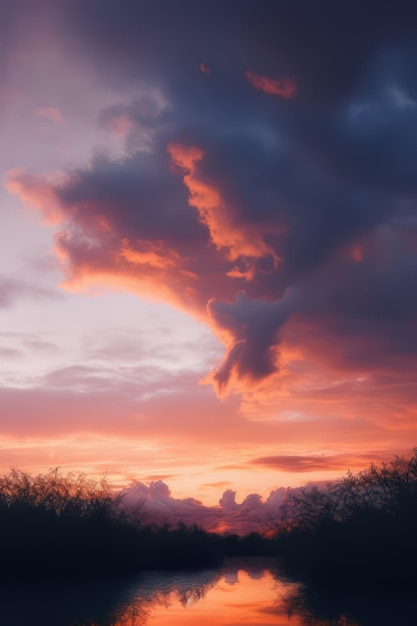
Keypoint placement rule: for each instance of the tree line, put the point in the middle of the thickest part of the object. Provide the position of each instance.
(55, 524)
(361, 529)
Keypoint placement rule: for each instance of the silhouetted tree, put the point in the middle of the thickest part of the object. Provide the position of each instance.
(64, 525)
(359, 529)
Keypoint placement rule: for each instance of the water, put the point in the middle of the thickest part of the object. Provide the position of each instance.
(243, 593)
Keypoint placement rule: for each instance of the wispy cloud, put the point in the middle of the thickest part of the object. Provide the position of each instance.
(13, 289)
(319, 462)
(52, 114)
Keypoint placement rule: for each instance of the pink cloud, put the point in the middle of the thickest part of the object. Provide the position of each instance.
(37, 192)
(154, 503)
(52, 114)
(284, 87)
(321, 462)
(120, 125)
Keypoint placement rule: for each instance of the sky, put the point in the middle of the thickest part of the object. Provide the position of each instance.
(208, 236)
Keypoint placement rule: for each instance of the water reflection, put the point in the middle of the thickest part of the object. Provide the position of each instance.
(318, 607)
(243, 592)
(125, 602)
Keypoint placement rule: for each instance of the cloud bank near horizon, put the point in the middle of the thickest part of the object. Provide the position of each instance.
(153, 503)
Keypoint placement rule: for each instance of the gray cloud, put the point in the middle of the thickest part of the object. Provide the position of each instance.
(315, 208)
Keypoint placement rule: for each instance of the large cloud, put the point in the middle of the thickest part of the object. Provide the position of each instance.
(288, 224)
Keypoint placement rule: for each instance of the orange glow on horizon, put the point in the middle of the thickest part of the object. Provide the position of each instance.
(239, 597)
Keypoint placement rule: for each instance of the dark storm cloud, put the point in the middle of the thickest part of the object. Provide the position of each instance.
(140, 195)
(325, 46)
(305, 200)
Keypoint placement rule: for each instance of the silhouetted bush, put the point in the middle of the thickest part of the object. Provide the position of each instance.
(65, 525)
(314, 606)
(359, 530)
(253, 544)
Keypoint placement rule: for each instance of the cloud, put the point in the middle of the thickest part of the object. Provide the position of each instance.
(253, 328)
(12, 289)
(284, 87)
(289, 228)
(52, 114)
(219, 483)
(204, 69)
(7, 352)
(237, 240)
(154, 503)
(136, 122)
(36, 192)
(119, 125)
(305, 463)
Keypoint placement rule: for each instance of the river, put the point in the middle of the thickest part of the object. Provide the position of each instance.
(243, 592)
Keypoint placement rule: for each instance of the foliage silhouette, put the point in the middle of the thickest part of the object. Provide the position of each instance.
(67, 525)
(125, 601)
(253, 544)
(361, 530)
(351, 607)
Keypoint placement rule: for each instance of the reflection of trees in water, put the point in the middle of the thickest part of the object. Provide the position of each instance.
(131, 602)
(117, 602)
(194, 595)
(319, 607)
(298, 603)
(122, 602)
(158, 591)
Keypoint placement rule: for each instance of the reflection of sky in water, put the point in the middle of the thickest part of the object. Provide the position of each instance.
(239, 595)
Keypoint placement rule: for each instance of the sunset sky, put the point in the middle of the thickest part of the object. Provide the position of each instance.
(208, 231)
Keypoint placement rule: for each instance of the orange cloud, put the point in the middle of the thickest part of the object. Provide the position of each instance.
(239, 240)
(284, 87)
(150, 269)
(153, 254)
(36, 191)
